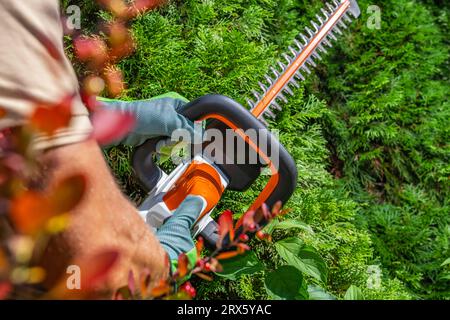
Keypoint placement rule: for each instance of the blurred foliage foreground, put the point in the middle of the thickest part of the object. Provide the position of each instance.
(369, 132)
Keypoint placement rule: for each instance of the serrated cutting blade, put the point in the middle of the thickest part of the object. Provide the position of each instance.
(331, 23)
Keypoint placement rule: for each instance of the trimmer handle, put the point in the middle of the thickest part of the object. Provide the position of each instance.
(145, 169)
(230, 114)
(227, 113)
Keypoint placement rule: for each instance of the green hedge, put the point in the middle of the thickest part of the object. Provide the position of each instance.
(388, 95)
(369, 132)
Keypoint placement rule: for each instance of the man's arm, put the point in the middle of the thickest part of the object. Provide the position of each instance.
(104, 219)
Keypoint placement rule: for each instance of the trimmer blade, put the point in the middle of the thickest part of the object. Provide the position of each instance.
(332, 21)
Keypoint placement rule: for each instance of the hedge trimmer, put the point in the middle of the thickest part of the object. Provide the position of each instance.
(209, 175)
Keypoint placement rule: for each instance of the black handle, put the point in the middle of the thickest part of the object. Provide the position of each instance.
(240, 176)
(243, 119)
(145, 169)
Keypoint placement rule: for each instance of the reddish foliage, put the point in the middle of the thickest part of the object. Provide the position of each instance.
(226, 225)
(31, 210)
(199, 246)
(5, 290)
(48, 118)
(114, 81)
(110, 125)
(227, 255)
(91, 49)
(183, 266)
(68, 193)
(204, 276)
(163, 288)
(189, 289)
(96, 268)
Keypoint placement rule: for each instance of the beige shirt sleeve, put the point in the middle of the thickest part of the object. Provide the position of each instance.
(34, 69)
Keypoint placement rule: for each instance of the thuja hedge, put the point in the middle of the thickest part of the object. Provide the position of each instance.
(388, 94)
(369, 132)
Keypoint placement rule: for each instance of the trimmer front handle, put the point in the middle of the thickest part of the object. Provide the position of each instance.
(223, 113)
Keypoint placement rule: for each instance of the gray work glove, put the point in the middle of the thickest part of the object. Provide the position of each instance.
(154, 118)
(159, 117)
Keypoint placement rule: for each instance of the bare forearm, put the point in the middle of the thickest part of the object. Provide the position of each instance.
(104, 219)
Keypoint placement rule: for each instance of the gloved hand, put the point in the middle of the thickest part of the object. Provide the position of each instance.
(159, 117)
(155, 117)
(175, 233)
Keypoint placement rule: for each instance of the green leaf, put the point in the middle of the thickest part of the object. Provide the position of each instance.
(445, 276)
(243, 264)
(291, 224)
(286, 283)
(303, 257)
(447, 261)
(318, 293)
(166, 153)
(354, 293)
(287, 224)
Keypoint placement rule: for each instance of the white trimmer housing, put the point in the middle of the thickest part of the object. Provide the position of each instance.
(155, 211)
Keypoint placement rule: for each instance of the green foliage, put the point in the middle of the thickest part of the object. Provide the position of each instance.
(304, 258)
(354, 293)
(247, 263)
(286, 283)
(369, 134)
(389, 127)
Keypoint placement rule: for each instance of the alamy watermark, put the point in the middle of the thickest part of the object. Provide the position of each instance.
(374, 19)
(73, 281)
(374, 277)
(229, 146)
(73, 18)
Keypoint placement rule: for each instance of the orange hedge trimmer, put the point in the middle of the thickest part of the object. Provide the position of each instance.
(231, 167)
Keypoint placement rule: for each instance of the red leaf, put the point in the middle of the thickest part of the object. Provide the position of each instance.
(131, 283)
(243, 237)
(5, 289)
(227, 255)
(111, 125)
(189, 289)
(91, 49)
(68, 194)
(94, 271)
(266, 212)
(214, 265)
(117, 7)
(226, 225)
(30, 211)
(90, 101)
(204, 276)
(144, 281)
(199, 246)
(242, 247)
(263, 236)
(140, 6)
(248, 221)
(276, 209)
(114, 81)
(4, 264)
(49, 118)
(183, 263)
(117, 33)
(96, 268)
(163, 288)
(93, 85)
(121, 41)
